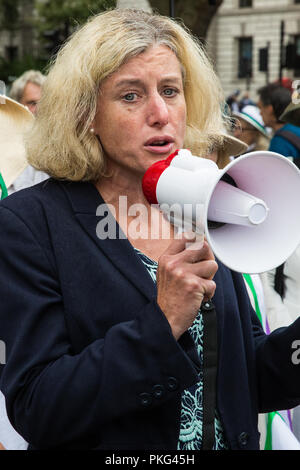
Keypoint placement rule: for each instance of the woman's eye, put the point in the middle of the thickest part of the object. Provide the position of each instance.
(170, 92)
(129, 97)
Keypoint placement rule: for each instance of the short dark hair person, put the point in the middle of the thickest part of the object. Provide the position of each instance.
(277, 96)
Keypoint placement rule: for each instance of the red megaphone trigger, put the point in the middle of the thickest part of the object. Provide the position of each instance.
(152, 175)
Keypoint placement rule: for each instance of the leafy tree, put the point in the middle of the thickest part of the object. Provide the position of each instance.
(10, 70)
(9, 17)
(65, 15)
(9, 14)
(196, 14)
(15, 18)
(56, 19)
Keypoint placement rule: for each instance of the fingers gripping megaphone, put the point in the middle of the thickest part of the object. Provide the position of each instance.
(249, 211)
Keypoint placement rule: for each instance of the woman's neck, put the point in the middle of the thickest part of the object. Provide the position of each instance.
(143, 224)
(277, 126)
(112, 187)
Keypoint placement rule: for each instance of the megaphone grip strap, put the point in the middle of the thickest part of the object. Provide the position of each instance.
(210, 366)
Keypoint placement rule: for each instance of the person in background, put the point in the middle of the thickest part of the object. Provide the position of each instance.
(249, 127)
(15, 120)
(232, 101)
(278, 290)
(245, 101)
(281, 114)
(286, 83)
(27, 90)
(282, 285)
(271, 313)
(273, 100)
(291, 114)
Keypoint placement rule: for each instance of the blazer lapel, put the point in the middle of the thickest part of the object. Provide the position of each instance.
(94, 215)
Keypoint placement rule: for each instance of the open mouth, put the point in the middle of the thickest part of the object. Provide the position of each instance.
(159, 145)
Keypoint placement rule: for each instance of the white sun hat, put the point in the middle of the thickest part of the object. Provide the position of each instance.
(251, 114)
(15, 120)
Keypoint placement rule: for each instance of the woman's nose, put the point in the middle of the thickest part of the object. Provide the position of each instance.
(158, 112)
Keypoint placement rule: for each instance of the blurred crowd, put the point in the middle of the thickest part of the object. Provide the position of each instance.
(272, 123)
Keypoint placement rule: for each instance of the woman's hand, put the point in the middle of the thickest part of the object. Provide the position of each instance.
(1, 447)
(184, 280)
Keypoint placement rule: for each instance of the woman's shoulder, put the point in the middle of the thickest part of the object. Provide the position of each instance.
(37, 213)
(37, 205)
(51, 200)
(26, 199)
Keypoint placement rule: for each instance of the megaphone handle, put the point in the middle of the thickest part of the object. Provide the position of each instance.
(210, 366)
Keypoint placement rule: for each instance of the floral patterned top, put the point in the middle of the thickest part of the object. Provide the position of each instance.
(190, 435)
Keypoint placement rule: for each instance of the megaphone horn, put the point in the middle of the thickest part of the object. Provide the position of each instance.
(249, 210)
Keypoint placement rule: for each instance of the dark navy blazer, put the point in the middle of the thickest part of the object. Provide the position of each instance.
(87, 344)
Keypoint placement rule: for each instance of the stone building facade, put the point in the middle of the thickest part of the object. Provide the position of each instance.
(238, 32)
(16, 44)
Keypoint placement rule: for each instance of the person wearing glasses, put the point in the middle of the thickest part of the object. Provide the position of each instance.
(249, 127)
(27, 90)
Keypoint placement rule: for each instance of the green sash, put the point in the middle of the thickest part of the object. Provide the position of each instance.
(3, 188)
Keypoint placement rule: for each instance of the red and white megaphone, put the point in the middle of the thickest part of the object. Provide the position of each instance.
(249, 211)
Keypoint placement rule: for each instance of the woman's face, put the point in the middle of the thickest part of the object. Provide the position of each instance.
(141, 112)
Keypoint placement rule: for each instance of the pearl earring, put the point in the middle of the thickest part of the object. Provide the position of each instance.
(92, 130)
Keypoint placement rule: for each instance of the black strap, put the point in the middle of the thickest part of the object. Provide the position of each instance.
(210, 365)
(279, 280)
(291, 137)
(279, 284)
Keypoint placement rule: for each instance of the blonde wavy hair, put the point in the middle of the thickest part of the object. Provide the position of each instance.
(60, 142)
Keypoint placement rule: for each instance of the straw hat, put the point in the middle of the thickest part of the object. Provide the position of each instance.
(251, 114)
(233, 147)
(291, 114)
(15, 119)
(230, 147)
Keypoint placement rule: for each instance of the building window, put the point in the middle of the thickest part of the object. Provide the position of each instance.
(297, 55)
(297, 42)
(292, 55)
(11, 53)
(245, 58)
(245, 3)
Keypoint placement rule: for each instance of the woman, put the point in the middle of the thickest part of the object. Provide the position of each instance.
(102, 353)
